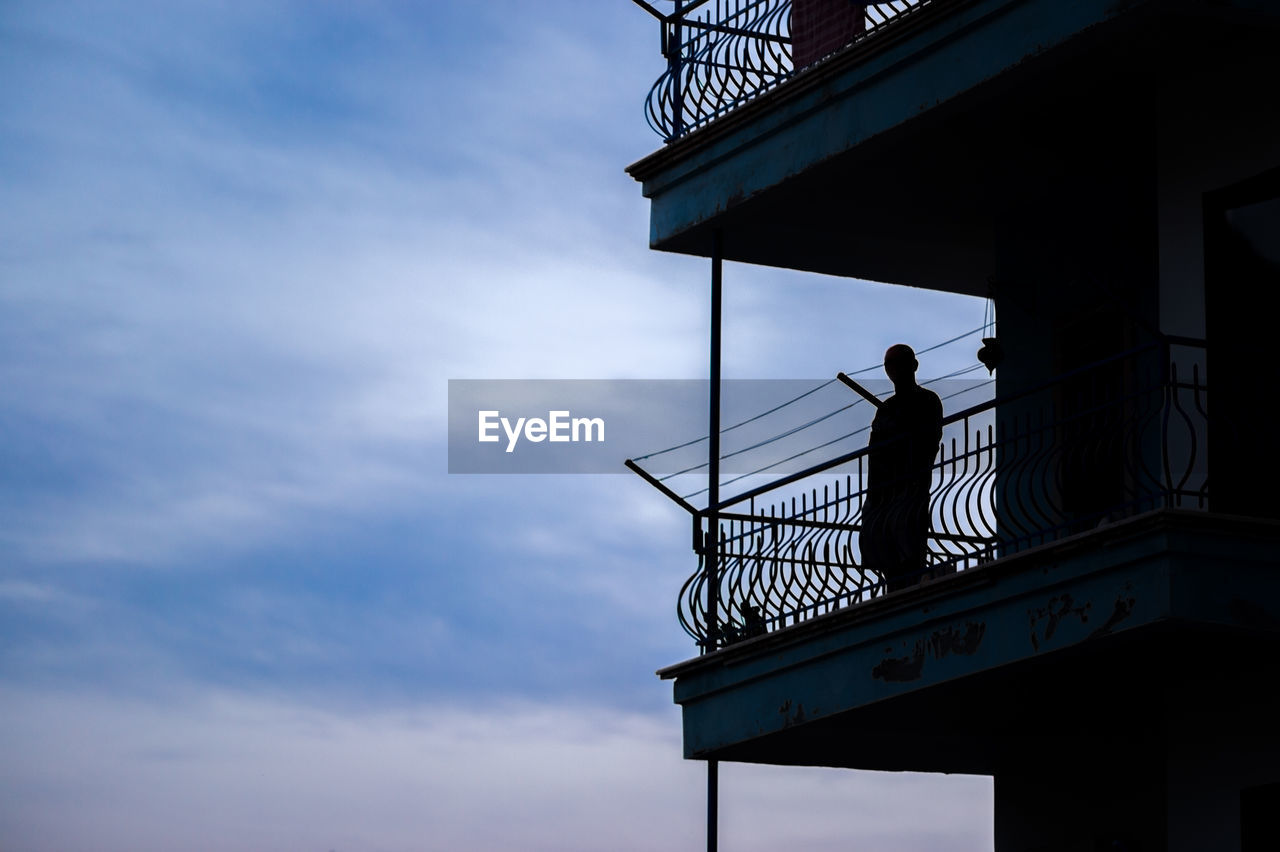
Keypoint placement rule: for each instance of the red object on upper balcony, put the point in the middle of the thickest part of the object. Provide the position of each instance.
(820, 27)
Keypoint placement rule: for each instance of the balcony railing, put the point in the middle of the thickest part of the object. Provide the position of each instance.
(1104, 442)
(723, 53)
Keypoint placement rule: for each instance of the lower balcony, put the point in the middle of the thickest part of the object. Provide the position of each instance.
(1094, 628)
(1107, 442)
(1112, 635)
(1075, 564)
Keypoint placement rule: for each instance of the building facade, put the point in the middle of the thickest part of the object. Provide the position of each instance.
(1101, 625)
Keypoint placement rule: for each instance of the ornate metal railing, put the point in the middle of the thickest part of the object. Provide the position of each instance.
(1099, 444)
(723, 53)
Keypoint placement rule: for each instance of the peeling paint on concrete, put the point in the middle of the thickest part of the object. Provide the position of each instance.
(941, 643)
(1045, 620)
(790, 718)
(900, 669)
(953, 641)
(1123, 609)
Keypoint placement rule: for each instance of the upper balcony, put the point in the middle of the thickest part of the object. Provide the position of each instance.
(723, 54)
(911, 148)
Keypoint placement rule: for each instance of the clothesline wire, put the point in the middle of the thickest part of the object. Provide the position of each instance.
(800, 428)
(807, 393)
(837, 440)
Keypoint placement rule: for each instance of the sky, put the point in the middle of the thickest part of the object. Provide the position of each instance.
(243, 249)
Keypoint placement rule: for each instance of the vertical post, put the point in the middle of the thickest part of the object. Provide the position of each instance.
(1168, 378)
(713, 799)
(712, 561)
(675, 59)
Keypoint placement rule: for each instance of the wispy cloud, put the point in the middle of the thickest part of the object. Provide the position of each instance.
(224, 772)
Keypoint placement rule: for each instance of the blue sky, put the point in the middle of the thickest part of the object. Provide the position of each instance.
(243, 249)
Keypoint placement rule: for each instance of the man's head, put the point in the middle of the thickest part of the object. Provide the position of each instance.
(900, 364)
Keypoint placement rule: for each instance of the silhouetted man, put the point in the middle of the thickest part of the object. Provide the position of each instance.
(904, 442)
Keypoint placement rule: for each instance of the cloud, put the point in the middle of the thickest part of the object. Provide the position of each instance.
(243, 249)
(223, 771)
(549, 586)
(222, 316)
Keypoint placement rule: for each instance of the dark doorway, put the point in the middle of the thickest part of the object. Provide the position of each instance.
(1242, 294)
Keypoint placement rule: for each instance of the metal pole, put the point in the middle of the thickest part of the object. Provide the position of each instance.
(674, 61)
(713, 454)
(713, 798)
(713, 515)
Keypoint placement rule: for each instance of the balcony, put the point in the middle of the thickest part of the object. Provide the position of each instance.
(723, 54)
(910, 154)
(1075, 557)
(1089, 449)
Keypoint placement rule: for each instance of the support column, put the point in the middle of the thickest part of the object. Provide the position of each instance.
(713, 518)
